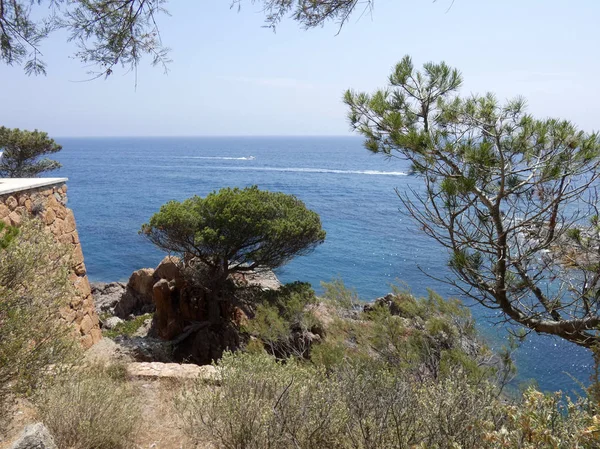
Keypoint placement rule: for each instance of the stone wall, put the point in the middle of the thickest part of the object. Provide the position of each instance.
(49, 203)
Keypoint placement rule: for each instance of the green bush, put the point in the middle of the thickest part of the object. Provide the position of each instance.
(91, 408)
(34, 285)
(281, 319)
(260, 402)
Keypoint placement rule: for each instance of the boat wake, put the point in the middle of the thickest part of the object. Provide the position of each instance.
(318, 170)
(222, 158)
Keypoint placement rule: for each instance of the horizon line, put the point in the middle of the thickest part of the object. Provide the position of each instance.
(203, 135)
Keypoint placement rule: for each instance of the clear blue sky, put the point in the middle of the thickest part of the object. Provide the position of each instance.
(229, 76)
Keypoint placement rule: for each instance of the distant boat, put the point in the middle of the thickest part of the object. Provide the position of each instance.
(250, 158)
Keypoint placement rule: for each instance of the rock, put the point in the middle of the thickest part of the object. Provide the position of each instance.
(141, 282)
(11, 202)
(390, 301)
(145, 349)
(112, 322)
(144, 329)
(265, 279)
(166, 322)
(108, 351)
(168, 268)
(137, 298)
(130, 349)
(172, 370)
(107, 296)
(35, 436)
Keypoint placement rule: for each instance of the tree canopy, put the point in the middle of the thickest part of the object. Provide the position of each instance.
(118, 33)
(21, 152)
(236, 230)
(503, 192)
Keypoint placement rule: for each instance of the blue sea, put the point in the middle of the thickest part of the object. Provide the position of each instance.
(116, 184)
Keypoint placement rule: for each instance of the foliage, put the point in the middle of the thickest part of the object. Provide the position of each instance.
(234, 231)
(33, 286)
(281, 319)
(7, 235)
(108, 33)
(127, 328)
(427, 336)
(21, 151)
(547, 422)
(118, 33)
(260, 402)
(501, 189)
(338, 294)
(91, 407)
(310, 13)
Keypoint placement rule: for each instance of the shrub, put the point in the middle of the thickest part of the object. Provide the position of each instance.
(281, 320)
(261, 403)
(547, 421)
(33, 286)
(91, 408)
(362, 404)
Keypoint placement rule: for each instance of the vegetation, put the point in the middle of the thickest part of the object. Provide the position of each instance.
(282, 322)
(114, 33)
(92, 407)
(21, 152)
(501, 190)
(127, 328)
(234, 231)
(33, 286)
(260, 402)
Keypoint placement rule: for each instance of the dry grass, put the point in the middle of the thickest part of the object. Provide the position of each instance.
(91, 408)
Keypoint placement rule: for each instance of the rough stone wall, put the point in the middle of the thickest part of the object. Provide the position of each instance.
(50, 204)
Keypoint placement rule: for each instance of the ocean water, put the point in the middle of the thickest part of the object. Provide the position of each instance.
(116, 184)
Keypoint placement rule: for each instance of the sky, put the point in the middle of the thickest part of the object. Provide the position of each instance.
(230, 76)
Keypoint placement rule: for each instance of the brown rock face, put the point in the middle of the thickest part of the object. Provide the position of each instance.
(142, 281)
(137, 298)
(168, 269)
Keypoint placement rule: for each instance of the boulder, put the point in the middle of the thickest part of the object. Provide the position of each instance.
(169, 269)
(137, 298)
(107, 296)
(141, 282)
(111, 322)
(35, 436)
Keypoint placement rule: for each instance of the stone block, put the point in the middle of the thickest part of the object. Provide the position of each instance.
(61, 212)
(49, 217)
(83, 286)
(67, 314)
(69, 223)
(11, 202)
(4, 211)
(96, 335)
(15, 218)
(86, 325)
(80, 269)
(87, 341)
(77, 256)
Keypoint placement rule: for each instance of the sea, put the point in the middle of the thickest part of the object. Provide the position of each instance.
(116, 184)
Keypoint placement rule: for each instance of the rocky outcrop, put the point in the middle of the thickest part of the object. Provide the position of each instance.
(107, 296)
(136, 296)
(35, 436)
(181, 311)
(49, 203)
